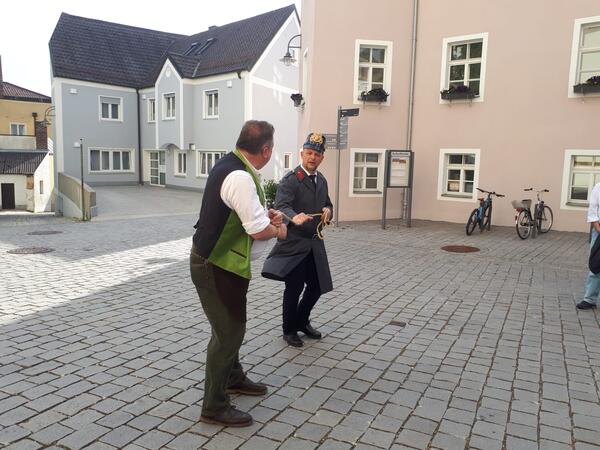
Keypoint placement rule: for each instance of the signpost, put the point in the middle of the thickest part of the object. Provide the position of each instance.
(341, 142)
(398, 174)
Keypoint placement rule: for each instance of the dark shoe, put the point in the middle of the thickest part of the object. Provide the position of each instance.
(248, 387)
(229, 417)
(293, 339)
(310, 332)
(585, 305)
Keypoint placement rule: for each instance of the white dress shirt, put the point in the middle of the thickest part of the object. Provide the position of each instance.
(593, 214)
(238, 192)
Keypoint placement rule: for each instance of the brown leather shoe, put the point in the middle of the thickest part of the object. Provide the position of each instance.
(229, 417)
(248, 387)
(310, 332)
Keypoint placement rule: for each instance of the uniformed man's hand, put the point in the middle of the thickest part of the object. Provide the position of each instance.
(276, 217)
(326, 215)
(301, 218)
(282, 231)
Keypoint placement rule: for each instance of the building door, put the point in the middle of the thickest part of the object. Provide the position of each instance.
(158, 168)
(8, 195)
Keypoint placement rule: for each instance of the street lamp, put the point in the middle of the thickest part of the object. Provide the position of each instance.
(288, 59)
(47, 114)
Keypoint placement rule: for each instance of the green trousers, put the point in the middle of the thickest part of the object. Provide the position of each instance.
(223, 298)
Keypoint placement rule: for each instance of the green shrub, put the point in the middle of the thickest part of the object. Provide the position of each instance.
(270, 188)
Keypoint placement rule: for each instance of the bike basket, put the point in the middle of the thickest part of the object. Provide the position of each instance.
(522, 204)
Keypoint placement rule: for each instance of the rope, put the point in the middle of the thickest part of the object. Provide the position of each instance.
(320, 226)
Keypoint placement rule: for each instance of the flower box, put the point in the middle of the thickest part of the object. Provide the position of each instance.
(456, 95)
(585, 88)
(374, 95)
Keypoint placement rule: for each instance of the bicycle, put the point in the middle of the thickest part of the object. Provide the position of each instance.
(540, 221)
(482, 216)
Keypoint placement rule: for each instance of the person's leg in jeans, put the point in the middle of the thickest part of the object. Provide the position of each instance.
(592, 285)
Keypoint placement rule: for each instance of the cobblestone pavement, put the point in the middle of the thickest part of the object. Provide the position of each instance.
(102, 343)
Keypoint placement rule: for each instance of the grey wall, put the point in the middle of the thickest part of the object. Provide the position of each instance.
(168, 130)
(273, 70)
(277, 108)
(148, 130)
(81, 119)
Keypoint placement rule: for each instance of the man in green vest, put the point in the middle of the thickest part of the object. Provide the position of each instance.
(233, 229)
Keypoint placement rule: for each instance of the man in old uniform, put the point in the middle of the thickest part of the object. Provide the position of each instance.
(301, 259)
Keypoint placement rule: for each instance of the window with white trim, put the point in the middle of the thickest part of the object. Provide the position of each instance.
(211, 104)
(459, 174)
(584, 174)
(17, 129)
(151, 110)
(367, 172)
(41, 187)
(464, 65)
(110, 108)
(205, 161)
(287, 161)
(180, 163)
(111, 160)
(588, 58)
(169, 106)
(373, 65)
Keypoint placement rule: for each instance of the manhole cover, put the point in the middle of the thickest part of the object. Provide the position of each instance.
(43, 233)
(30, 250)
(460, 249)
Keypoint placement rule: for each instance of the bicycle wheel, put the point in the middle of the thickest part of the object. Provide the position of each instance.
(472, 222)
(545, 219)
(486, 219)
(524, 225)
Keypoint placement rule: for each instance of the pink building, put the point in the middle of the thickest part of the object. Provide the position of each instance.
(523, 122)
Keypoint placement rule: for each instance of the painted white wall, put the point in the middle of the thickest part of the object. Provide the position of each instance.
(43, 202)
(20, 182)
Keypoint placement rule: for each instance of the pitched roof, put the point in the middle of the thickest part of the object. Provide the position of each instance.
(11, 91)
(110, 53)
(19, 162)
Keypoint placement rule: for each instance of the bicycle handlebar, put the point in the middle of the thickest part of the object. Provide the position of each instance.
(541, 190)
(491, 193)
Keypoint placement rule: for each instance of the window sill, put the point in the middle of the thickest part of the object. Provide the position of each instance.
(578, 205)
(169, 118)
(152, 121)
(180, 175)
(211, 117)
(367, 192)
(202, 176)
(110, 120)
(112, 172)
(463, 197)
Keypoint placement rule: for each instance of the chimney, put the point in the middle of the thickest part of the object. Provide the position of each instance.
(41, 135)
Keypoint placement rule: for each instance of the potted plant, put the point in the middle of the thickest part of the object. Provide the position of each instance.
(591, 85)
(270, 189)
(458, 92)
(298, 99)
(374, 95)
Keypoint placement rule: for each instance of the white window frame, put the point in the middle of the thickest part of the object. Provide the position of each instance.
(199, 153)
(206, 94)
(387, 68)
(574, 67)
(165, 97)
(380, 173)
(131, 152)
(177, 156)
(150, 113)
(565, 203)
(41, 187)
(445, 66)
(120, 108)
(290, 165)
(442, 174)
(18, 124)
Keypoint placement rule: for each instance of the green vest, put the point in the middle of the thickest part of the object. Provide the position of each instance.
(233, 248)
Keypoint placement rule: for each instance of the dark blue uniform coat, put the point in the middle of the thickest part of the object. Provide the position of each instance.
(297, 193)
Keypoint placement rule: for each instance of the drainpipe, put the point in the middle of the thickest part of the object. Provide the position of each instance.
(139, 137)
(406, 207)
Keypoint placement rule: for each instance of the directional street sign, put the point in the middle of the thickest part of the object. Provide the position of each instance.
(330, 141)
(350, 112)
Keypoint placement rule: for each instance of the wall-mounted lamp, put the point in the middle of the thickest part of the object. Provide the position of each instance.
(288, 59)
(192, 147)
(46, 122)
